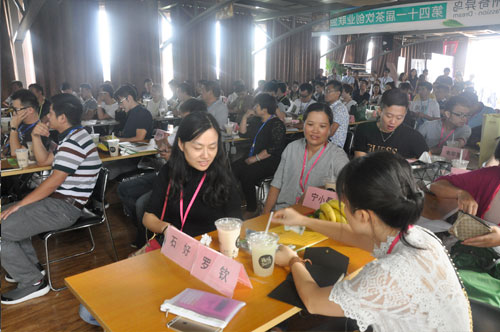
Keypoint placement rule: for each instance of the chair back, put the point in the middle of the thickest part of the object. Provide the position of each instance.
(349, 139)
(100, 187)
(485, 317)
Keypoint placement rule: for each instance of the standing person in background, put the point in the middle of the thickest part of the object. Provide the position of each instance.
(107, 105)
(268, 133)
(147, 93)
(157, 101)
(340, 114)
(210, 93)
(88, 102)
(44, 103)
(385, 79)
(425, 108)
(445, 79)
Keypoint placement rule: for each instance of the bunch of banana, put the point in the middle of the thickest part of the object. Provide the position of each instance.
(332, 210)
(102, 147)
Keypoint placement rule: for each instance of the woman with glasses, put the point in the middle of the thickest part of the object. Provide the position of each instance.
(267, 133)
(452, 129)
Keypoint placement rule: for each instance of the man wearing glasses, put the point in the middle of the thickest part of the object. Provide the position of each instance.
(300, 105)
(139, 124)
(452, 129)
(25, 118)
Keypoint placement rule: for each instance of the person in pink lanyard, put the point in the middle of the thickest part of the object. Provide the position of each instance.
(477, 193)
(400, 290)
(194, 188)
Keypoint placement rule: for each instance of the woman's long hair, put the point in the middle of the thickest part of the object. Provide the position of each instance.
(216, 188)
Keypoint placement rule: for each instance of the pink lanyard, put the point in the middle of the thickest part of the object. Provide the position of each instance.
(396, 240)
(181, 207)
(302, 186)
(441, 142)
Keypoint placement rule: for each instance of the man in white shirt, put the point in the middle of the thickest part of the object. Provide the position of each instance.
(385, 79)
(333, 91)
(347, 78)
(425, 108)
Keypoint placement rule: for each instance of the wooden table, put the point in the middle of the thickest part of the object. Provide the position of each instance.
(104, 156)
(126, 295)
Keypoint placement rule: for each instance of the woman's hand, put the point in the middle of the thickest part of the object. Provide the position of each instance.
(466, 202)
(486, 241)
(289, 217)
(251, 160)
(283, 255)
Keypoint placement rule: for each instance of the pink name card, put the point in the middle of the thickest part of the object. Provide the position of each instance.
(451, 153)
(218, 271)
(213, 268)
(314, 197)
(459, 170)
(180, 247)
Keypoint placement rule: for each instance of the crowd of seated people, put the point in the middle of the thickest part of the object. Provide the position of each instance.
(413, 116)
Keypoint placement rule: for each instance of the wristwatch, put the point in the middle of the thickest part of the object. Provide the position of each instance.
(13, 128)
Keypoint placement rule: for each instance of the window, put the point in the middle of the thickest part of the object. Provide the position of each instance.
(167, 62)
(29, 64)
(369, 56)
(217, 49)
(259, 59)
(104, 41)
(323, 45)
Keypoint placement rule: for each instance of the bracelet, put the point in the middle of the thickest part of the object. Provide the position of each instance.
(297, 259)
(163, 230)
(257, 157)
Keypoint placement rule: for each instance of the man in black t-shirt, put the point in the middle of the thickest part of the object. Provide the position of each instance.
(25, 105)
(139, 124)
(389, 133)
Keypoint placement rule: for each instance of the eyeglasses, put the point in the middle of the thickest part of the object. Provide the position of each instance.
(304, 96)
(327, 91)
(20, 109)
(461, 115)
(121, 101)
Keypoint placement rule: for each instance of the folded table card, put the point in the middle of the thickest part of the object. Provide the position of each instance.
(213, 268)
(314, 197)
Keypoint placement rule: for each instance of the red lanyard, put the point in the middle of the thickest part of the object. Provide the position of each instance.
(181, 207)
(302, 186)
(396, 240)
(441, 142)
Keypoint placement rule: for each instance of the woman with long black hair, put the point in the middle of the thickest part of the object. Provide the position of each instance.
(194, 188)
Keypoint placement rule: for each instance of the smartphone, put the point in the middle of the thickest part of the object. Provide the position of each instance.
(185, 325)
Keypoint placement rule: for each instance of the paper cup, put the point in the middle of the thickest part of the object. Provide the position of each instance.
(228, 230)
(22, 156)
(263, 247)
(114, 147)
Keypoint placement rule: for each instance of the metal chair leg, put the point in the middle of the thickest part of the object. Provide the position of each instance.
(106, 221)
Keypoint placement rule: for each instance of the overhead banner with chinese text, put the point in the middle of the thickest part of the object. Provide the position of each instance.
(421, 16)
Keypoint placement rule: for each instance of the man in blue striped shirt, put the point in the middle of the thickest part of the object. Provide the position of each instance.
(56, 203)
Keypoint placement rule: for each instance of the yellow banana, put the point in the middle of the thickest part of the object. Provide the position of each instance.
(334, 203)
(322, 216)
(102, 147)
(328, 211)
(338, 216)
(343, 220)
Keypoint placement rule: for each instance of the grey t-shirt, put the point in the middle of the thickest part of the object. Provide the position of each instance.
(219, 111)
(89, 105)
(287, 176)
(431, 130)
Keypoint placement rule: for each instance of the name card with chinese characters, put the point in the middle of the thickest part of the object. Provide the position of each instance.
(314, 197)
(213, 268)
(454, 153)
(220, 272)
(180, 247)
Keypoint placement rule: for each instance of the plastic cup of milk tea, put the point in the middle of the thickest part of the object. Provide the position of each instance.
(263, 247)
(114, 147)
(228, 230)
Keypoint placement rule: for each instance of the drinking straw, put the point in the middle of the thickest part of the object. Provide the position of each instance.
(461, 154)
(269, 222)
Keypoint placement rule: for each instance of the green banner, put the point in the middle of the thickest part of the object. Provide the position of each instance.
(435, 11)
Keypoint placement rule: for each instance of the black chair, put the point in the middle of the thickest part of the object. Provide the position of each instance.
(485, 317)
(263, 190)
(349, 140)
(92, 216)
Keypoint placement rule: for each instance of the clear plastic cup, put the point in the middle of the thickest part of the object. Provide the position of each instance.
(263, 247)
(22, 156)
(114, 147)
(228, 230)
(229, 128)
(457, 163)
(95, 138)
